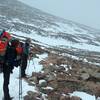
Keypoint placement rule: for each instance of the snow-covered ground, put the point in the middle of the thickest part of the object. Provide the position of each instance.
(83, 95)
(33, 66)
(48, 41)
(14, 81)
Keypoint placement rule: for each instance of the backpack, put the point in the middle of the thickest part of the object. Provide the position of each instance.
(5, 37)
(26, 48)
(19, 48)
(14, 58)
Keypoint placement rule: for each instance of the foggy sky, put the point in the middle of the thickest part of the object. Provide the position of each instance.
(82, 11)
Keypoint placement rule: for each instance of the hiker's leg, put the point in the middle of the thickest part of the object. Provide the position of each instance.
(1, 67)
(5, 85)
(22, 71)
(24, 66)
(11, 69)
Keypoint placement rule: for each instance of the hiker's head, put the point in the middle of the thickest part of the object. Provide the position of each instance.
(21, 44)
(28, 40)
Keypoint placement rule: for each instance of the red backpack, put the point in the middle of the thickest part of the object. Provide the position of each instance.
(4, 40)
(19, 49)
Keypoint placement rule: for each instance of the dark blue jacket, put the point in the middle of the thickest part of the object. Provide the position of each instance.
(26, 48)
(10, 56)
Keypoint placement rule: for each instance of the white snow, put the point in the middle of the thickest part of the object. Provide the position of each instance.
(48, 87)
(65, 66)
(14, 85)
(14, 81)
(41, 81)
(34, 66)
(83, 95)
(51, 41)
(1, 86)
(65, 28)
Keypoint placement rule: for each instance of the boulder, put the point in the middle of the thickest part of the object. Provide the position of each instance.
(84, 76)
(42, 83)
(96, 75)
(65, 97)
(53, 84)
(54, 96)
(46, 90)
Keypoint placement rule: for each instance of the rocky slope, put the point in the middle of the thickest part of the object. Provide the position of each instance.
(61, 75)
(67, 67)
(16, 16)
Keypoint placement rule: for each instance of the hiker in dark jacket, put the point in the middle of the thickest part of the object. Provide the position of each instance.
(25, 55)
(8, 66)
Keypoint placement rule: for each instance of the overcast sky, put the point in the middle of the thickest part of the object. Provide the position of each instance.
(83, 11)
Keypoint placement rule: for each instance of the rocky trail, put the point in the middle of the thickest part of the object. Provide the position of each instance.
(62, 75)
(63, 71)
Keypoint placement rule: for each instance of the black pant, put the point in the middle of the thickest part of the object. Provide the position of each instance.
(6, 75)
(1, 67)
(24, 65)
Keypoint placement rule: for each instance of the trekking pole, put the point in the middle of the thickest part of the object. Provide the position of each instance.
(20, 84)
(34, 66)
(28, 66)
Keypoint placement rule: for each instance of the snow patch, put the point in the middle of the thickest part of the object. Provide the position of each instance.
(83, 95)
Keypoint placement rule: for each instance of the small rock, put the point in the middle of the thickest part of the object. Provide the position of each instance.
(75, 98)
(46, 90)
(53, 84)
(65, 97)
(30, 93)
(85, 76)
(34, 79)
(54, 96)
(42, 83)
(51, 77)
(96, 75)
(27, 97)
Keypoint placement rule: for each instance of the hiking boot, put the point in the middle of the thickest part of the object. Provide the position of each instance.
(11, 98)
(11, 71)
(24, 75)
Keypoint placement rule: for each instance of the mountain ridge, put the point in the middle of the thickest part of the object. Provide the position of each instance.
(24, 7)
(17, 16)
